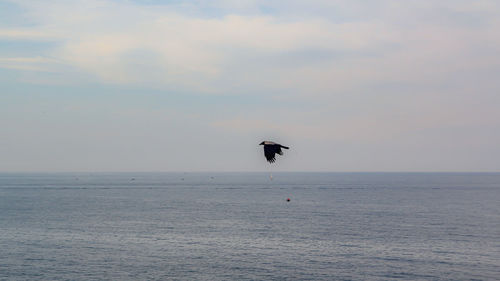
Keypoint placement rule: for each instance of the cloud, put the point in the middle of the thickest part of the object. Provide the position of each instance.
(28, 63)
(169, 47)
(27, 34)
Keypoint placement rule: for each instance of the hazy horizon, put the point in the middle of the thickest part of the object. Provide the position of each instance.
(147, 85)
(249, 172)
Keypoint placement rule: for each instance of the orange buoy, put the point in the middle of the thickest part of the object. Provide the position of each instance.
(288, 200)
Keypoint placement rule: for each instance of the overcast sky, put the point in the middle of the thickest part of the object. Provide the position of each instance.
(116, 85)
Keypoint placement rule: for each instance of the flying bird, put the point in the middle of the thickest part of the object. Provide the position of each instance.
(271, 148)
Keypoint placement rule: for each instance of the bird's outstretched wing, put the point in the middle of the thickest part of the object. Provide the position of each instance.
(279, 147)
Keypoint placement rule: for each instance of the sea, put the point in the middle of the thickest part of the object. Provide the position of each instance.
(241, 226)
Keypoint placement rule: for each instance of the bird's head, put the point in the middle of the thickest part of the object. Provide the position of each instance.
(262, 143)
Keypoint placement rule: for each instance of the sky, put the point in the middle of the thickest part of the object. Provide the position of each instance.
(149, 85)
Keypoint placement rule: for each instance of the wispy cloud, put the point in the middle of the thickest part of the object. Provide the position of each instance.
(326, 49)
(28, 34)
(169, 47)
(28, 63)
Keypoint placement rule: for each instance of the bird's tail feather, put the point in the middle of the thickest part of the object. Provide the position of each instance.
(285, 147)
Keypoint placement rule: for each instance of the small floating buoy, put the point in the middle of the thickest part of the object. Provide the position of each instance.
(288, 200)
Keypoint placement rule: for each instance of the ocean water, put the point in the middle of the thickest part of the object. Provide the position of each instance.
(239, 226)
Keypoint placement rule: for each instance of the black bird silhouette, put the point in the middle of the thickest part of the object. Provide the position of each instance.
(271, 148)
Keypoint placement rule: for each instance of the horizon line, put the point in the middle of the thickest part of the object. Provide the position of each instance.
(257, 171)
